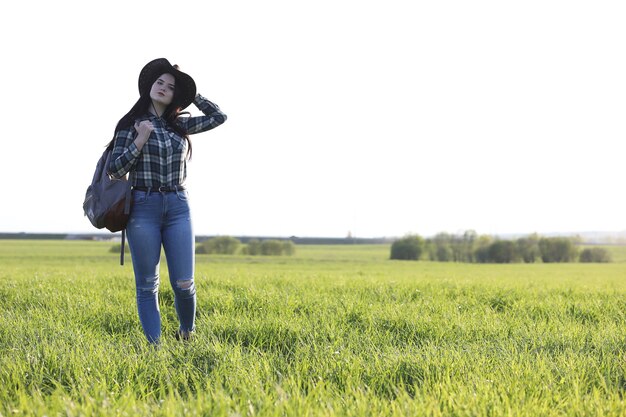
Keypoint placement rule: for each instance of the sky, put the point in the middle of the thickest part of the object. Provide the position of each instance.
(374, 119)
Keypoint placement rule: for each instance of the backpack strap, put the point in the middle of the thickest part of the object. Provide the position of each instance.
(129, 196)
(123, 242)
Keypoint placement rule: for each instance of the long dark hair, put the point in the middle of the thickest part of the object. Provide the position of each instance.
(171, 113)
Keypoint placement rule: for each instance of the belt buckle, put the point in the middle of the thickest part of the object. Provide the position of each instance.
(163, 188)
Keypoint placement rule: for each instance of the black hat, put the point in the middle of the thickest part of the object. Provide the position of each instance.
(185, 86)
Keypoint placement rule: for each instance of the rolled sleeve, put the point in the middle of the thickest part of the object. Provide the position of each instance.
(212, 118)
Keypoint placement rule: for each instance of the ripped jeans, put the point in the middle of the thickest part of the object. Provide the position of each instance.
(162, 219)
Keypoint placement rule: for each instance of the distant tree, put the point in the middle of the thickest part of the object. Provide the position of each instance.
(443, 253)
(528, 248)
(557, 249)
(467, 246)
(445, 247)
(440, 247)
(252, 248)
(481, 248)
(223, 245)
(595, 255)
(407, 248)
(270, 247)
(456, 244)
(289, 248)
(502, 251)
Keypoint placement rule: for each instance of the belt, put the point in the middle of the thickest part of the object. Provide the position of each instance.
(162, 189)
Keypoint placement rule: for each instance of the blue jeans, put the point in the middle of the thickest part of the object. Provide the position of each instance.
(162, 219)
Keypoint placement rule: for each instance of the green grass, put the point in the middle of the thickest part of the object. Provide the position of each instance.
(331, 331)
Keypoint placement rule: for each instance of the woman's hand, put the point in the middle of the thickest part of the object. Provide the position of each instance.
(143, 129)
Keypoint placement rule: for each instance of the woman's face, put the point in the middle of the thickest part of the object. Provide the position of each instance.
(162, 90)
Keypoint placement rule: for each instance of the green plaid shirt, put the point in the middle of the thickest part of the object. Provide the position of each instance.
(163, 159)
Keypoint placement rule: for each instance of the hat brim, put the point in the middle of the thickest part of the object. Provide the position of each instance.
(185, 85)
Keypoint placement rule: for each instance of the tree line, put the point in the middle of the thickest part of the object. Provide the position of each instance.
(228, 245)
(473, 248)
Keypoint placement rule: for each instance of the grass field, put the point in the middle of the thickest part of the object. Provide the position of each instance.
(330, 331)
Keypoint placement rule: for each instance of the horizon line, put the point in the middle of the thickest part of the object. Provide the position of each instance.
(603, 233)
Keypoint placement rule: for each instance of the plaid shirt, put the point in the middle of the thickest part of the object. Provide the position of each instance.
(163, 159)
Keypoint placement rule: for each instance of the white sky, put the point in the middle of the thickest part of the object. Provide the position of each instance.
(376, 118)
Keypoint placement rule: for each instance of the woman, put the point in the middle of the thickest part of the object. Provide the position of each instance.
(151, 142)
